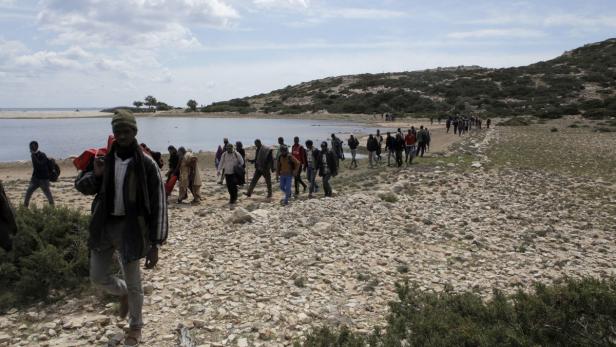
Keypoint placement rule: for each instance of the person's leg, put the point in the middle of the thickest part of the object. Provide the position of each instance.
(31, 188)
(268, 182)
(132, 276)
(230, 183)
(196, 192)
(253, 182)
(183, 191)
(310, 175)
(285, 186)
(45, 187)
(327, 189)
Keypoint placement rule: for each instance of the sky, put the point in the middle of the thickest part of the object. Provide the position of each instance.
(102, 53)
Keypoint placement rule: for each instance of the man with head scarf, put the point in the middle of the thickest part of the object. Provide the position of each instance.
(129, 215)
(190, 177)
(232, 164)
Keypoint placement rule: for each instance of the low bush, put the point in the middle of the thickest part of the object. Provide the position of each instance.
(513, 122)
(49, 255)
(572, 313)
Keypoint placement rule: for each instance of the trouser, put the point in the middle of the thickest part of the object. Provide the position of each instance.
(421, 148)
(285, 186)
(101, 261)
(231, 187)
(455, 129)
(311, 174)
(255, 178)
(327, 188)
(299, 181)
(378, 154)
(194, 190)
(448, 130)
(36, 183)
(399, 157)
(372, 157)
(410, 153)
(390, 153)
(353, 158)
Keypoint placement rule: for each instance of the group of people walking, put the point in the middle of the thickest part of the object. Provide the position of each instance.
(129, 211)
(463, 123)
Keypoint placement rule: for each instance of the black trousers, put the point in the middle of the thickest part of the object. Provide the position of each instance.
(421, 148)
(255, 178)
(327, 188)
(231, 187)
(298, 181)
(36, 183)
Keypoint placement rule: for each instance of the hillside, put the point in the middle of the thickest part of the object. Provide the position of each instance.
(581, 81)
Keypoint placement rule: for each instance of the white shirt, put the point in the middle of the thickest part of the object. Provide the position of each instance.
(120, 173)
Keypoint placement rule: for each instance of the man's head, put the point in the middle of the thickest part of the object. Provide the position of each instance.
(323, 145)
(333, 135)
(280, 141)
(229, 148)
(378, 132)
(296, 140)
(225, 141)
(239, 144)
(421, 127)
(182, 150)
(172, 150)
(309, 144)
(258, 143)
(284, 150)
(124, 126)
(410, 131)
(388, 134)
(33, 147)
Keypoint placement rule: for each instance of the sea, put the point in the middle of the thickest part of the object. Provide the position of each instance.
(67, 137)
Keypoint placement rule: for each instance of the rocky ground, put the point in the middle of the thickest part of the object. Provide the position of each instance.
(476, 217)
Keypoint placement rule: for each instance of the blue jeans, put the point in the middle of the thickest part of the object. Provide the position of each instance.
(285, 186)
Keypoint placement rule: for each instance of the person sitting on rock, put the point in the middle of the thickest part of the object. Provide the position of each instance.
(129, 215)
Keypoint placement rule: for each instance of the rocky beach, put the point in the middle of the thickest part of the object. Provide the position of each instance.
(500, 208)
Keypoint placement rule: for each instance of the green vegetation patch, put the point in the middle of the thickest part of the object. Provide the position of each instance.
(49, 255)
(572, 313)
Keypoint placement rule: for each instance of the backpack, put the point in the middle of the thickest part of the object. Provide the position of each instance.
(54, 170)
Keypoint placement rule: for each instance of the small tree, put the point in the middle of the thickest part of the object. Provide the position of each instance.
(137, 104)
(150, 101)
(192, 104)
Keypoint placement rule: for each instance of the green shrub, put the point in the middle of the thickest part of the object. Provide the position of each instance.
(573, 313)
(49, 254)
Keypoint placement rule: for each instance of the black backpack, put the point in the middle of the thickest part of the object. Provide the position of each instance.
(54, 170)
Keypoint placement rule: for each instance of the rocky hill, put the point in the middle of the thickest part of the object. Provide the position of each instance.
(581, 81)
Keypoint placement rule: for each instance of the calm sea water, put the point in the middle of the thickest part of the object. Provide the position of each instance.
(62, 138)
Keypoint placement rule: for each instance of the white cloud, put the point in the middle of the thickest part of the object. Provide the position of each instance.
(362, 13)
(497, 33)
(132, 23)
(580, 21)
(282, 3)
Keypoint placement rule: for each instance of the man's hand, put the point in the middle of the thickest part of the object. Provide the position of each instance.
(99, 166)
(152, 258)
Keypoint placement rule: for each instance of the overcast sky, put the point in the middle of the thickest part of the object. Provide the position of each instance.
(80, 53)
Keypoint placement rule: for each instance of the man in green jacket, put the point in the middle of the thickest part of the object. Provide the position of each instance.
(129, 215)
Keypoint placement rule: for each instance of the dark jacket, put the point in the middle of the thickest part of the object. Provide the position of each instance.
(174, 167)
(41, 166)
(332, 163)
(353, 143)
(264, 159)
(372, 144)
(7, 221)
(144, 199)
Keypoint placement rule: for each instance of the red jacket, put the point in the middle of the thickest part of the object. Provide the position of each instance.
(410, 139)
(299, 153)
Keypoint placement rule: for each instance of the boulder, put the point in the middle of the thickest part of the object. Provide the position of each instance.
(241, 216)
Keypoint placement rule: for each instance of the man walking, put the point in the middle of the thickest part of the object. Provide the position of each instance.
(410, 141)
(311, 172)
(264, 166)
(353, 144)
(390, 147)
(299, 153)
(190, 177)
(287, 168)
(129, 215)
(230, 162)
(41, 174)
(421, 142)
(327, 166)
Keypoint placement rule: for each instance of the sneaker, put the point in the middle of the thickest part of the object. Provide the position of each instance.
(247, 194)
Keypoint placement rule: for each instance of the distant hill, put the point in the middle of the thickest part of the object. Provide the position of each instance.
(581, 81)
